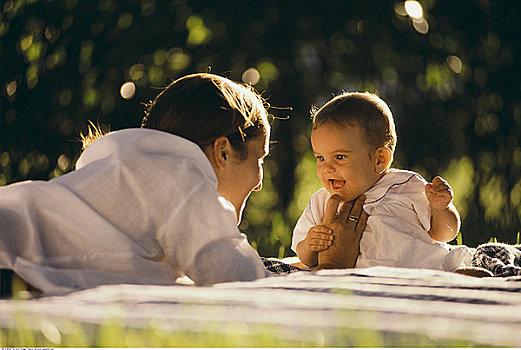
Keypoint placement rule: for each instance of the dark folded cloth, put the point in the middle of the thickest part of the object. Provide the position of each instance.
(502, 260)
(278, 267)
(6, 283)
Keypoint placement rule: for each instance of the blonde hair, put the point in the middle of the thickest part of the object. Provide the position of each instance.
(94, 132)
(364, 109)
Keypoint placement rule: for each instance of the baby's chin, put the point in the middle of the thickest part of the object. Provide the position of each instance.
(344, 197)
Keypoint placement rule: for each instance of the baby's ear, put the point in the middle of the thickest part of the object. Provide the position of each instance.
(383, 159)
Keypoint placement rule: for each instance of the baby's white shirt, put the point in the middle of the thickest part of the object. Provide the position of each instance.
(397, 228)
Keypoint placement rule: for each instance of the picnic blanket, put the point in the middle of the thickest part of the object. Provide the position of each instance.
(377, 306)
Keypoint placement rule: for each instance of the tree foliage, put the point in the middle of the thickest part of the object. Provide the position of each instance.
(450, 73)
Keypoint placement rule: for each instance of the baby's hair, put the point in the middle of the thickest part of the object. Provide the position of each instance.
(364, 109)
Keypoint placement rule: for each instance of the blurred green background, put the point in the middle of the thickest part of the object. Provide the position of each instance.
(450, 71)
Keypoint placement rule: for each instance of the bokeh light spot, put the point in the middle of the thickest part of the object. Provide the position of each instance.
(268, 71)
(251, 76)
(4, 159)
(125, 20)
(178, 59)
(65, 97)
(11, 87)
(455, 64)
(414, 9)
(198, 33)
(160, 57)
(26, 42)
(421, 26)
(399, 8)
(63, 162)
(137, 71)
(90, 97)
(155, 74)
(128, 90)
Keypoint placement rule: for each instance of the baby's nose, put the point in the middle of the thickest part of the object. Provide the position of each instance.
(328, 166)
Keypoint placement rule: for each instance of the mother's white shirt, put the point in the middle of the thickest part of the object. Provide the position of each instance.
(141, 207)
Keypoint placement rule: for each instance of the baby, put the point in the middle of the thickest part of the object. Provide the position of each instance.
(353, 140)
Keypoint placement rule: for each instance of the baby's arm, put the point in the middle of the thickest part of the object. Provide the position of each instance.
(318, 238)
(445, 220)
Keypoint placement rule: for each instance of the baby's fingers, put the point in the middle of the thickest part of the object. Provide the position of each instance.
(440, 184)
(321, 229)
(321, 236)
(318, 247)
(439, 180)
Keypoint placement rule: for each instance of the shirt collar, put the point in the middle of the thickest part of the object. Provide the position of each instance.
(143, 142)
(394, 177)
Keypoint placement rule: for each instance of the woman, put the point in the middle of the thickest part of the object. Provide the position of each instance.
(149, 205)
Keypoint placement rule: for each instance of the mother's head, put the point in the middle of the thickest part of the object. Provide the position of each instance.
(227, 120)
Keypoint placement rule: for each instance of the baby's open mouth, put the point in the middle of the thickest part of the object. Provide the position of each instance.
(337, 185)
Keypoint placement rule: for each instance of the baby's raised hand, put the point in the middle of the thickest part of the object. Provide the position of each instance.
(439, 193)
(319, 238)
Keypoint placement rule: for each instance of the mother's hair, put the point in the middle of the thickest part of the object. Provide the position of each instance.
(202, 107)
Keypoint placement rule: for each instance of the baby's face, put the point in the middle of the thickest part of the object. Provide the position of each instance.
(345, 163)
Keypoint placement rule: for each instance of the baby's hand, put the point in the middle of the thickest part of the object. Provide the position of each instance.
(319, 238)
(439, 193)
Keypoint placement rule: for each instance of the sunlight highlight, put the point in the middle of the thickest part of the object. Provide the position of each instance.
(414, 9)
(128, 90)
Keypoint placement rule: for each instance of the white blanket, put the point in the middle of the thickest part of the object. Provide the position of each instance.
(318, 307)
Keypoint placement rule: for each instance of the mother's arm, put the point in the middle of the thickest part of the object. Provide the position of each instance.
(347, 227)
(227, 260)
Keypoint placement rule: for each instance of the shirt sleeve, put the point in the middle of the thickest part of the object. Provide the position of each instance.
(301, 229)
(226, 261)
(203, 240)
(312, 216)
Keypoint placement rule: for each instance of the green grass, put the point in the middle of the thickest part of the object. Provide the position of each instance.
(495, 240)
(63, 333)
(116, 336)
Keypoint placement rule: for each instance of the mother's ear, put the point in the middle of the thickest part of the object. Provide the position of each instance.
(383, 159)
(219, 152)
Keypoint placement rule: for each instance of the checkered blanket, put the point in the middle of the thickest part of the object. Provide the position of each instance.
(279, 267)
(377, 306)
(501, 259)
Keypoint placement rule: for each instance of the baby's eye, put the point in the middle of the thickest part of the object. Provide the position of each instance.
(340, 157)
(319, 158)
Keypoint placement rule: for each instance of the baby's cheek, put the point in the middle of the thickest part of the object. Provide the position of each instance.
(325, 183)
